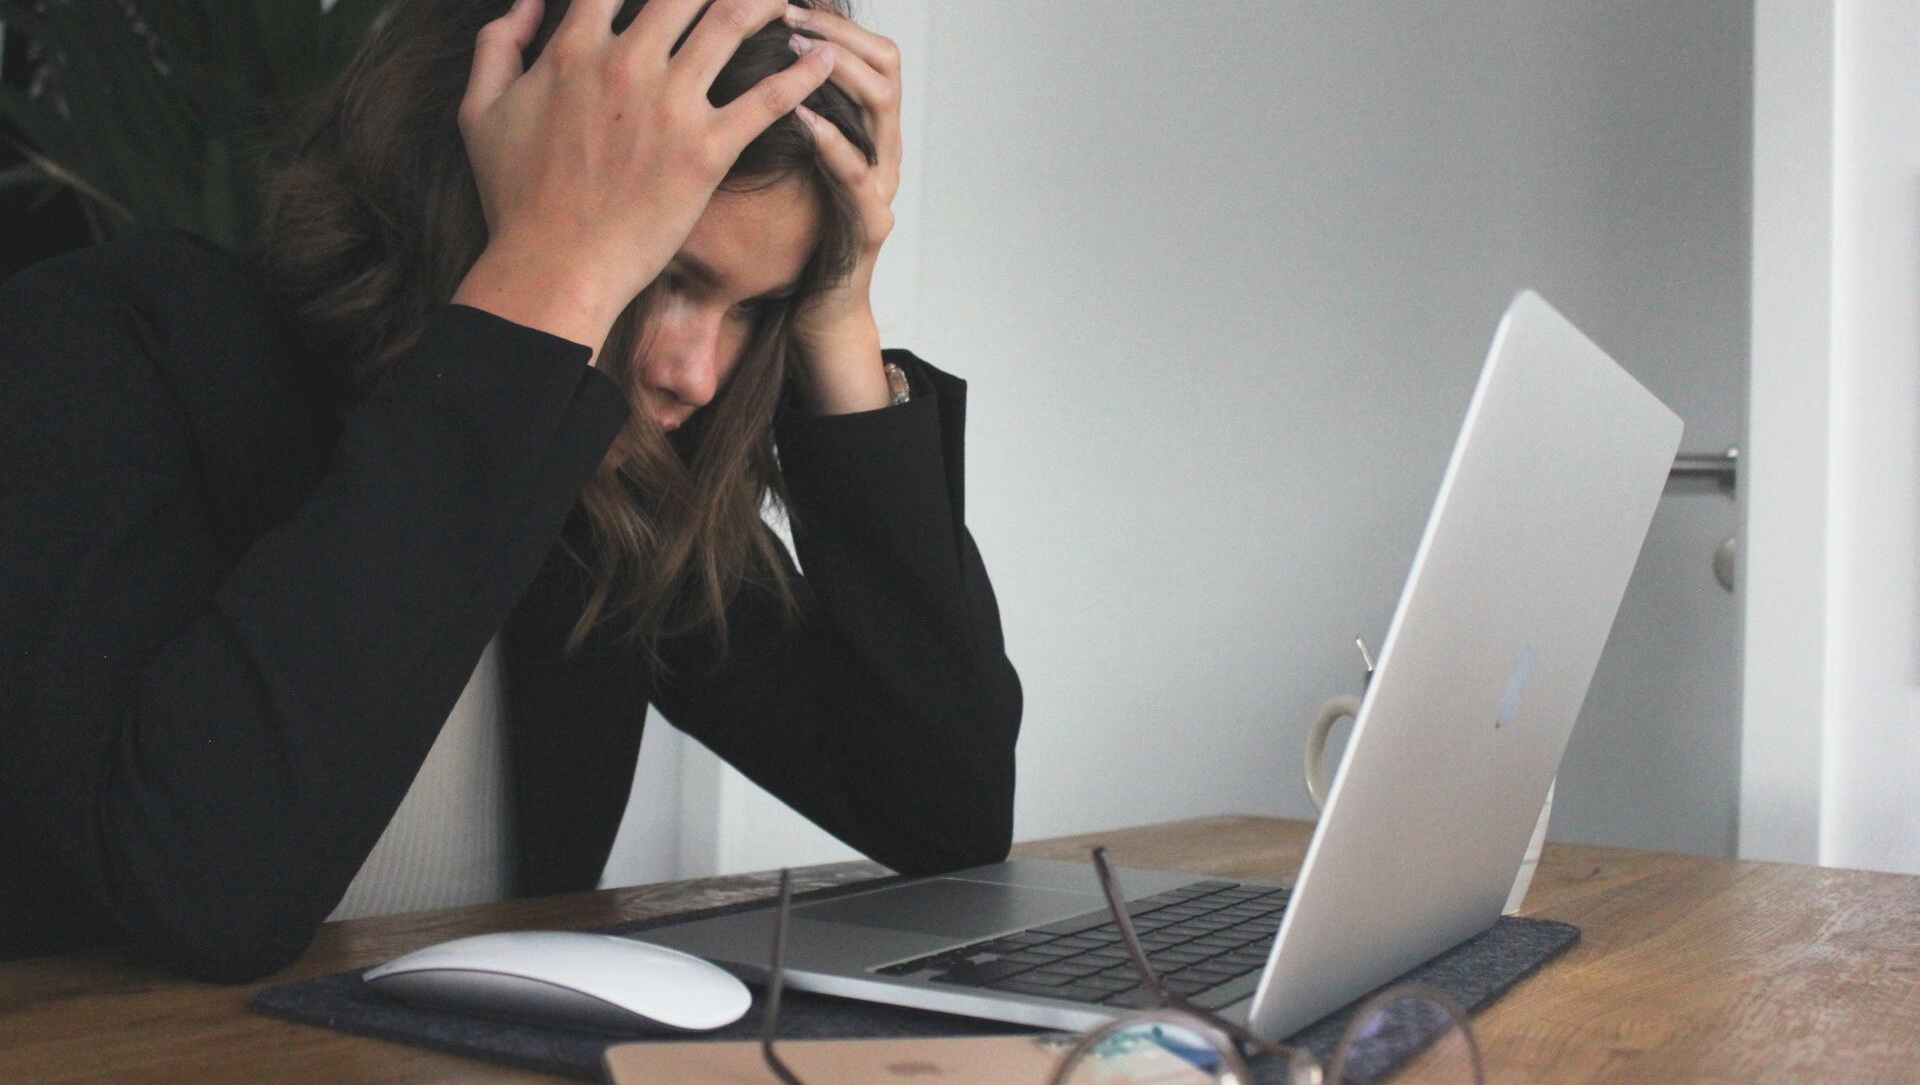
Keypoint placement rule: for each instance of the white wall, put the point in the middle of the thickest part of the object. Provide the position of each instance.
(1223, 281)
(1833, 715)
(1221, 276)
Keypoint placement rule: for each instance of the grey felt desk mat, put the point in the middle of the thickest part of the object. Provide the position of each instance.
(1475, 973)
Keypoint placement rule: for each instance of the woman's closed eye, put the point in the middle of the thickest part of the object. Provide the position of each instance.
(749, 311)
(754, 310)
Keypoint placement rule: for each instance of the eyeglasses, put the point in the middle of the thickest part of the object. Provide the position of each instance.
(1407, 1033)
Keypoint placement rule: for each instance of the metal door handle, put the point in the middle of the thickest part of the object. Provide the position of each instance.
(1723, 468)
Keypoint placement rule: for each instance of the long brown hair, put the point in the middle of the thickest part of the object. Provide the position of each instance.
(373, 225)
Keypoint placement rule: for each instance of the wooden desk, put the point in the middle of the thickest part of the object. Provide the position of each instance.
(1691, 970)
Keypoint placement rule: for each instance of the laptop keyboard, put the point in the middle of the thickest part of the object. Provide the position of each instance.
(1207, 941)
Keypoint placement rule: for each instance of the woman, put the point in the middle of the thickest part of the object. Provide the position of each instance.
(540, 302)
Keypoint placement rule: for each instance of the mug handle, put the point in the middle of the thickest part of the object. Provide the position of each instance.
(1330, 713)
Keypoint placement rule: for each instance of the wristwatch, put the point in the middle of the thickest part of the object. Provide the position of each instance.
(897, 384)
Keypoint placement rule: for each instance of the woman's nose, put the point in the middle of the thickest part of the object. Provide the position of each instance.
(685, 359)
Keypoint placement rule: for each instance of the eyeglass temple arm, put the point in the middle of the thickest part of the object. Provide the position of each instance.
(1124, 921)
(776, 973)
(1108, 885)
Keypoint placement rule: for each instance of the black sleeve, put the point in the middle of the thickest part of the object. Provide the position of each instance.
(888, 715)
(204, 745)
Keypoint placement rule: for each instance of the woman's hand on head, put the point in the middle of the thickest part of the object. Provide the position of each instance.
(594, 164)
(836, 329)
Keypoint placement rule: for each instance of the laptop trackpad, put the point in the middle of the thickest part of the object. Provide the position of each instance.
(953, 908)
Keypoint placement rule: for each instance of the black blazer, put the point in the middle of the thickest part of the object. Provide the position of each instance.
(231, 626)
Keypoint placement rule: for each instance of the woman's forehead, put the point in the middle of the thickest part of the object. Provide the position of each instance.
(752, 243)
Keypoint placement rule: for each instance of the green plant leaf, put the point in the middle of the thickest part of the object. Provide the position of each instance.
(184, 25)
(348, 23)
(44, 197)
(22, 18)
(151, 160)
(25, 175)
(36, 120)
(219, 203)
(178, 136)
(90, 196)
(290, 35)
(82, 58)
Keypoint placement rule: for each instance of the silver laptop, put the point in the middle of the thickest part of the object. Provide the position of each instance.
(1537, 526)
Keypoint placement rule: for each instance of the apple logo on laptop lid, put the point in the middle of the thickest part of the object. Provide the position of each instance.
(1509, 709)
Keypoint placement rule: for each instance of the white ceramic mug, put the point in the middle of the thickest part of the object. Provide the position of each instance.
(1319, 784)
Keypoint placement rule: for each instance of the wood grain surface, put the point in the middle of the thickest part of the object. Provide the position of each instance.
(1691, 970)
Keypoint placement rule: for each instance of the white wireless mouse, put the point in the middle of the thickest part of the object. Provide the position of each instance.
(570, 978)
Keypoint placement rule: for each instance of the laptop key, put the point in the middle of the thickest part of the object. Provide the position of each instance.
(1220, 998)
(1078, 993)
(1075, 924)
(1072, 992)
(1041, 978)
(1080, 941)
(1023, 986)
(997, 946)
(931, 963)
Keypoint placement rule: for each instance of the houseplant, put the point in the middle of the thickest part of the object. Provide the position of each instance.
(165, 112)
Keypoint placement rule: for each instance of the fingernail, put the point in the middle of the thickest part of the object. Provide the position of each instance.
(797, 15)
(800, 43)
(806, 114)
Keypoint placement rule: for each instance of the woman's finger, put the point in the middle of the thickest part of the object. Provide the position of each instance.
(497, 53)
(880, 53)
(844, 160)
(874, 92)
(772, 98)
(877, 89)
(717, 36)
